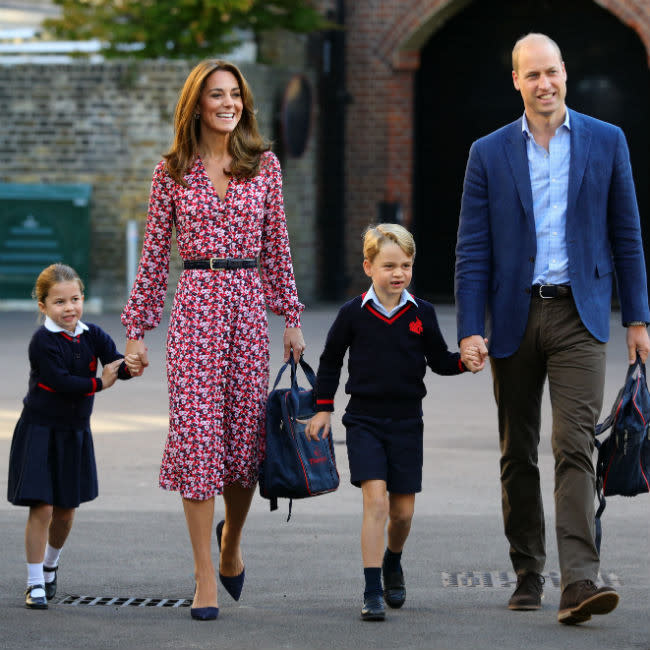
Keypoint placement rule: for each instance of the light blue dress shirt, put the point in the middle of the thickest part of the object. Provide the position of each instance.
(371, 295)
(549, 179)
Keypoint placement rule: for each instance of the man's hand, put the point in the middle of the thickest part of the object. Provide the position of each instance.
(637, 341)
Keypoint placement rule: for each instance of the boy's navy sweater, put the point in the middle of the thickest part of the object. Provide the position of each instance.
(62, 377)
(387, 359)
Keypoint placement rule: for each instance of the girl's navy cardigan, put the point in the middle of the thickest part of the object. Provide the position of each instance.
(387, 360)
(62, 378)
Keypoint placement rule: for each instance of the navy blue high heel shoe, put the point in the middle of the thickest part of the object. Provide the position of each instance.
(232, 584)
(204, 613)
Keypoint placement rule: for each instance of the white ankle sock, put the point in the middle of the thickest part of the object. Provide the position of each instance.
(35, 574)
(52, 560)
(52, 556)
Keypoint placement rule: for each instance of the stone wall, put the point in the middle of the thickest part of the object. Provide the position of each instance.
(108, 125)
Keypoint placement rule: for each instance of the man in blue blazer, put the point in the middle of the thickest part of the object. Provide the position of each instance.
(548, 219)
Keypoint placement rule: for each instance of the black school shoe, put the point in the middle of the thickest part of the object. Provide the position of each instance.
(35, 602)
(50, 587)
(373, 608)
(394, 587)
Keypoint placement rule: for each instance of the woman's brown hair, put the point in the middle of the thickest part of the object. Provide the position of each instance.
(245, 143)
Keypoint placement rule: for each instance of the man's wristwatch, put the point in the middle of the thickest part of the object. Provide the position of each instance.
(636, 322)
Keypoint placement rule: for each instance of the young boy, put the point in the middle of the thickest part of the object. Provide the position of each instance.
(391, 337)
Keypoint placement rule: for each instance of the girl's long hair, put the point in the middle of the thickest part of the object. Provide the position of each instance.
(245, 143)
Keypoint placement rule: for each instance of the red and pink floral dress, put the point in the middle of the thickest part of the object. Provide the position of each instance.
(217, 343)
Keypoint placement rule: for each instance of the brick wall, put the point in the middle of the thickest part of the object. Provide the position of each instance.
(108, 125)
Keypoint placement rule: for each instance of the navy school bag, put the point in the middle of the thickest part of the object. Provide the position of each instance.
(295, 467)
(623, 466)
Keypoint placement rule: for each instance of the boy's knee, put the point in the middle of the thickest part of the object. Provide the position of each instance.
(377, 508)
(401, 511)
(401, 518)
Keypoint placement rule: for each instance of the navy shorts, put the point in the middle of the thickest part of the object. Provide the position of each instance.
(386, 449)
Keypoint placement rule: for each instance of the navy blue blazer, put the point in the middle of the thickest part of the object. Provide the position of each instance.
(496, 247)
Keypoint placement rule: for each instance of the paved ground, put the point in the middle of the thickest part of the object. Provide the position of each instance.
(304, 577)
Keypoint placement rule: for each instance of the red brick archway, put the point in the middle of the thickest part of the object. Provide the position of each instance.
(383, 42)
(402, 40)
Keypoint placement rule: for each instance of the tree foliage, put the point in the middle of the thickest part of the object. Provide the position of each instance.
(177, 28)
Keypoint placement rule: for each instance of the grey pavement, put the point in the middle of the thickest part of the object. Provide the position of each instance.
(304, 577)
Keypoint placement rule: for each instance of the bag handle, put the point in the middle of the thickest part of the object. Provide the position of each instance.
(306, 368)
(637, 364)
(311, 378)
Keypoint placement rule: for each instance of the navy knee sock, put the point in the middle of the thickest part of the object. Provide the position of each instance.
(392, 561)
(373, 581)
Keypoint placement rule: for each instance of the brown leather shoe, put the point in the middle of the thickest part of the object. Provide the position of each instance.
(582, 599)
(529, 592)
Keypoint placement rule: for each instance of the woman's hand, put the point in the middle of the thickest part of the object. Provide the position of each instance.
(293, 340)
(133, 364)
(138, 347)
(322, 420)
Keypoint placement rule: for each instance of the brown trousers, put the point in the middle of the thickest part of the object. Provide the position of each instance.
(558, 346)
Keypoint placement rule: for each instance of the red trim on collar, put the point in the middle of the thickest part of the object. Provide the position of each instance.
(44, 387)
(392, 319)
(70, 338)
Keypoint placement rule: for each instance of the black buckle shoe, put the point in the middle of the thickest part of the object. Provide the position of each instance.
(35, 602)
(373, 608)
(50, 587)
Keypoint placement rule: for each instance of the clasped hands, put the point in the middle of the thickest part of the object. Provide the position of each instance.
(136, 357)
(473, 352)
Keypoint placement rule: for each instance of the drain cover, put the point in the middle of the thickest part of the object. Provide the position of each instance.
(115, 601)
(508, 579)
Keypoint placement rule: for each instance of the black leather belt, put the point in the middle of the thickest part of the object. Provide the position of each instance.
(551, 290)
(214, 263)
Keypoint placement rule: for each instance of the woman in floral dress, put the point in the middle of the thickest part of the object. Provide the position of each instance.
(220, 187)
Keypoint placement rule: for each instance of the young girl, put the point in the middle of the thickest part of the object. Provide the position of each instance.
(52, 462)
